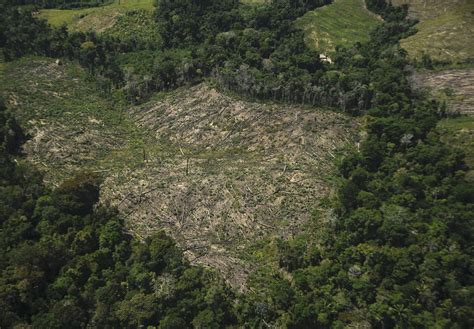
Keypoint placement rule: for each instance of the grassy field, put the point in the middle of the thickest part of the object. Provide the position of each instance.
(138, 25)
(427, 9)
(342, 23)
(459, 133)
(445, 30)
(72, 126)
(96, 19)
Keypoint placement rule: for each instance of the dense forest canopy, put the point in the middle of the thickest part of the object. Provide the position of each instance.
(399, 253)
(61, 4)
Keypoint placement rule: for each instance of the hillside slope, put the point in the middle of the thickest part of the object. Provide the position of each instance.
(72, 126)
(97, 19)
(341, 23)
(225, 173)
(455, 86)
(217, 173)
(445, 33)
(445, 29)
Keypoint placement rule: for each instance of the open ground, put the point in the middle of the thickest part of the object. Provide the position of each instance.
(217, 173)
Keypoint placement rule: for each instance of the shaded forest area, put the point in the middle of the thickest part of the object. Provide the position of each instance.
(399, 253)
(60, 4)
(65, 263)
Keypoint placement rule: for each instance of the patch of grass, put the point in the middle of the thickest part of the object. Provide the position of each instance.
(96, 19)
(459, 132)
(445, 30)
(342, 23)
(459, 123)
(136, 25)
(72, 125)
(58, 17)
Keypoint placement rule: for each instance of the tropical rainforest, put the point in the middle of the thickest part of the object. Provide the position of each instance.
(398, 253)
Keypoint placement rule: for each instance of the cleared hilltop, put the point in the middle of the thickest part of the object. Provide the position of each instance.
(342, 23)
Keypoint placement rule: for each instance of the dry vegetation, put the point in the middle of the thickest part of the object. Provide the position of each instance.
(455, 86)
(445, 29)
(70, 124)
(216, 173)
(225, 173)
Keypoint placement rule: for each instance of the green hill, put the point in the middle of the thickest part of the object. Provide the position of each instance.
(96, 19)
(342, 23)
(445, 30)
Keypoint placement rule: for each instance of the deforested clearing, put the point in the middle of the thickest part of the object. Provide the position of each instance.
(455, 86)
(224, 173)
(217, 173)
(445, 29)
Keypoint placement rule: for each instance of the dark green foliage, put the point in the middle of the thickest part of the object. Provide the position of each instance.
(66, 264)
(11, 135)
(399, 253)
(61, 4)
(21, 33)
(186, 22)
(257, 53)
